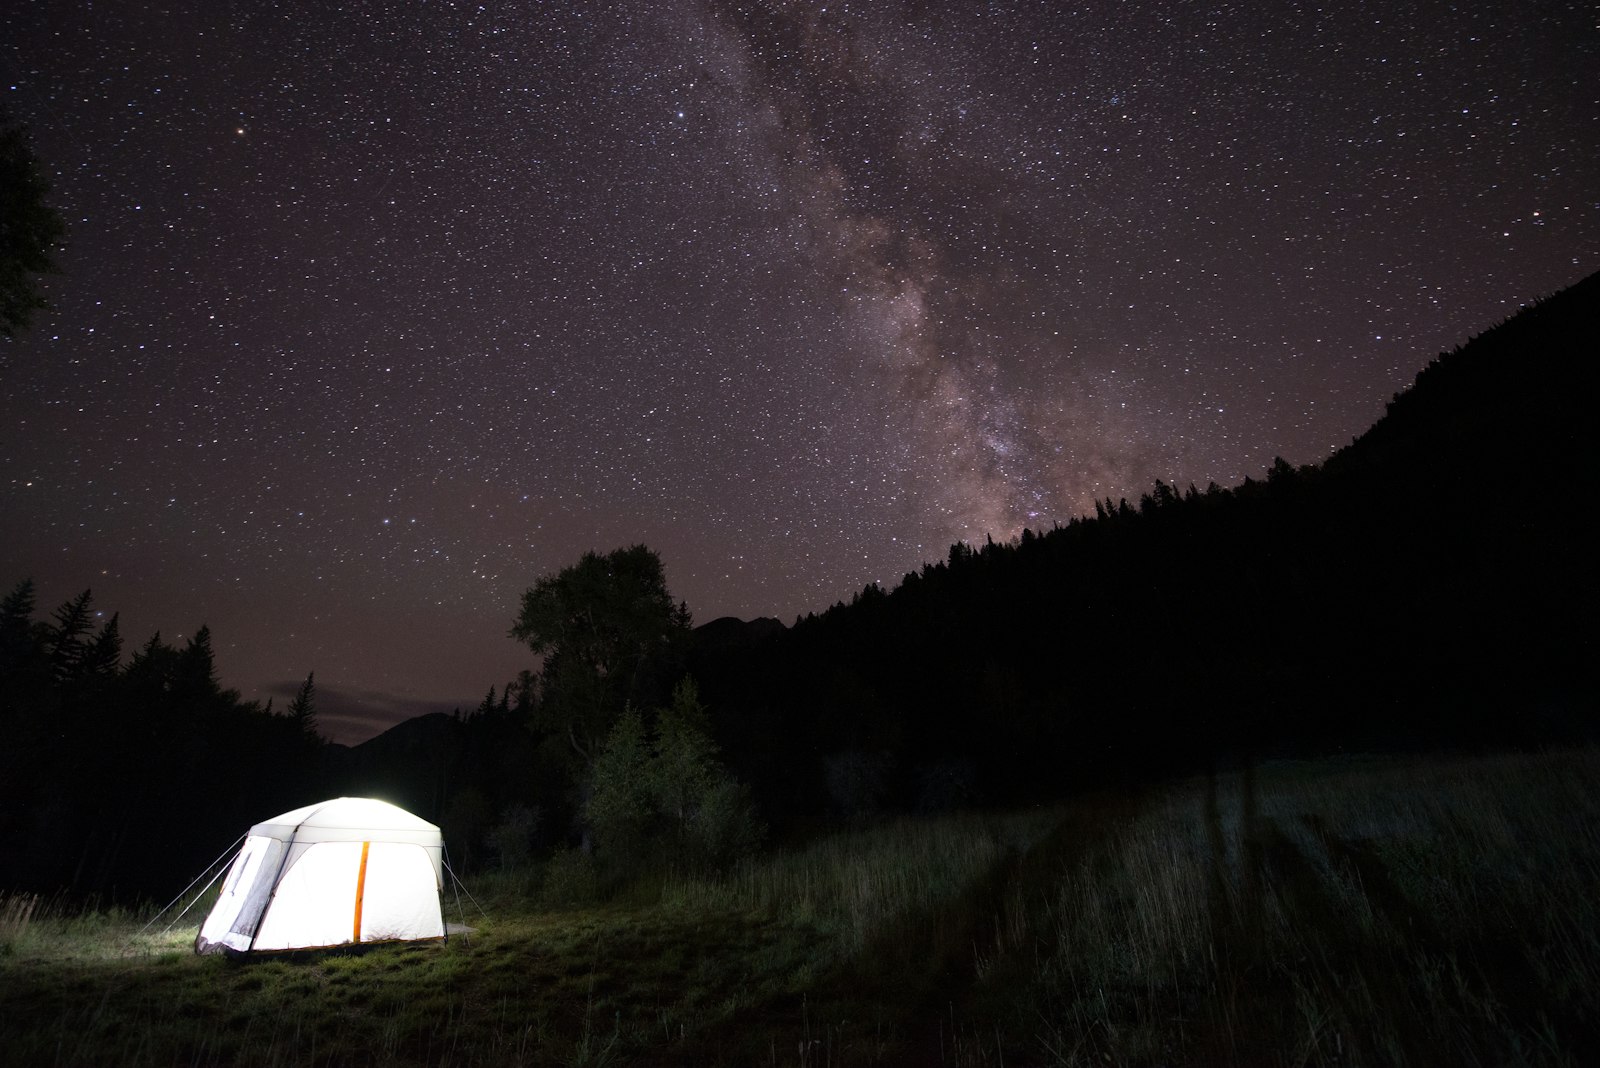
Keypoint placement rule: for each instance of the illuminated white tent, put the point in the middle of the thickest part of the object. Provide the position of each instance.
(341, 871)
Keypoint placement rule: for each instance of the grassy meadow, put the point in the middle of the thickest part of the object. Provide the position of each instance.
(1361, 911)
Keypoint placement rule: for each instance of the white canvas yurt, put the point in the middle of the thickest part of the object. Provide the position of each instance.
(338, 872)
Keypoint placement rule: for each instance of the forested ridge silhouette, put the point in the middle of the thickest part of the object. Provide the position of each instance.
(1428, 585)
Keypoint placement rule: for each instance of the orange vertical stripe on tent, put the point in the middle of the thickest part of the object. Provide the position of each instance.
(361, 890)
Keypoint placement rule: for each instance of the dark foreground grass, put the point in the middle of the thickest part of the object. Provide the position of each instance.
(1376, 912)
(1371, 912)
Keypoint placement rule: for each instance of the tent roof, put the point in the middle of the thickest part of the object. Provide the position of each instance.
(350, 819)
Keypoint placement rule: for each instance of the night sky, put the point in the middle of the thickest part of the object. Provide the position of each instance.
(373, 313)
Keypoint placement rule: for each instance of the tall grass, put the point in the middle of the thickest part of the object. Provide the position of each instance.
(36, 928)
(1359, 912)
(1420, 913)
(861, 883)
(16, 915)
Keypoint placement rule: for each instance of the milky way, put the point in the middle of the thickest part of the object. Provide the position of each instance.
(373, 313)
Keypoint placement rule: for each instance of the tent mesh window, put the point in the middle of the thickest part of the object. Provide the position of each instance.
(255, 906)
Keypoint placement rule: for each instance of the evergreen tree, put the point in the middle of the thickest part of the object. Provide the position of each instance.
(153, 665)
(16, 611)
(30, 230)
(195, 671)
(523, 687)
(67, 646)
(303, 709)
(18, 648)
(102, 656)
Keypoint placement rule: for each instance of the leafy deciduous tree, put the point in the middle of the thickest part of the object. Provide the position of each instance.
(685, 766)
(597, 623)
(668, 791)
(619, 807)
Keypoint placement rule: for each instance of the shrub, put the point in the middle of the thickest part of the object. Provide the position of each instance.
(725, 827)
(665, 796)
(511, 840)
(620, 810)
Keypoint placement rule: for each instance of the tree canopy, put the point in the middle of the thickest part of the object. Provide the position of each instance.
(598, 624)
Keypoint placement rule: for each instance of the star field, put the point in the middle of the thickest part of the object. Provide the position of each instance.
(373, 313)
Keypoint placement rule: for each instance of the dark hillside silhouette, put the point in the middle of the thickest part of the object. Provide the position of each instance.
(1428, 586)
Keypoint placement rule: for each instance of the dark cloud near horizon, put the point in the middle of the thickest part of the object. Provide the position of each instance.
(350, 717)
